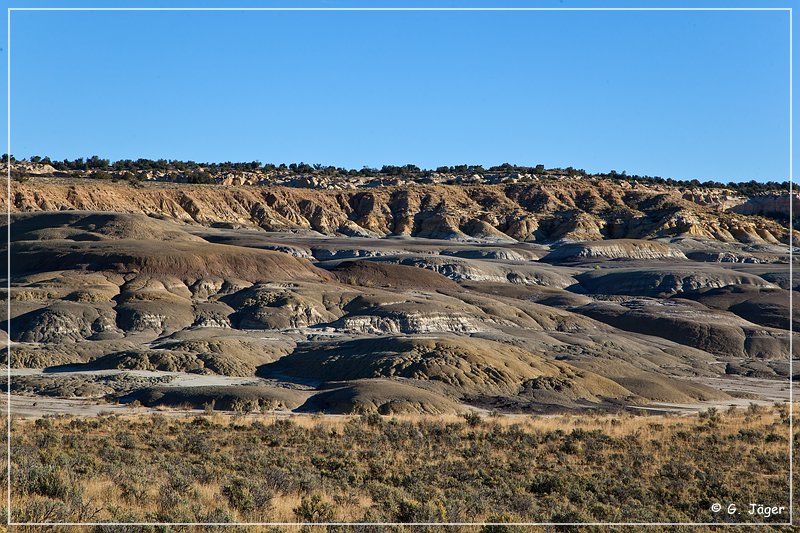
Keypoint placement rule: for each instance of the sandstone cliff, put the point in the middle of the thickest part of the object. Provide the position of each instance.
(544, 211)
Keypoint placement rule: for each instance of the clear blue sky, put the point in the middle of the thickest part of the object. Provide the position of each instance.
(677, 94)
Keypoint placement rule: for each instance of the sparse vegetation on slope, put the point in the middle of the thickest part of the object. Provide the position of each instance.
(375, 469)
(193, 172)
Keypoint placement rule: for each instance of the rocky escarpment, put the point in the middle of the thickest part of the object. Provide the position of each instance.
(722, 199)
(773, 205)
(616, 249)
(544, 211)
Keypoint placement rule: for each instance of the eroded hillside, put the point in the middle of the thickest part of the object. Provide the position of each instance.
(434, 299)
(572, 209)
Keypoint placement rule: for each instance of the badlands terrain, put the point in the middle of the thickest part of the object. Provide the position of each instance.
(540, 295)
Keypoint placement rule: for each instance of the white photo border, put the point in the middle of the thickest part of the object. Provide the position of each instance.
(11, 523)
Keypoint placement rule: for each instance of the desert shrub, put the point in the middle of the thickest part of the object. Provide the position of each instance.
(406, 510)
(208, 407)
(750, 435)
(265, 406)
(100, 175)
(201, 422)
(169, 499)
(238, 494)
(242, 406)
(711, 415)
(42, 510)
(314, 510)
(158, 421)
(473, 419)
(774, 437)
(196, 444)
(172, 505)
(277, 480)
(48, 439)
(372, 419)
(217, 515)
(126, 440)
(133, 488)
(545, 484)
(43, 423)
(199, 177)
(247, 496)
(783, 412)
(19, 177)
(83, 424)
(497, 525)
(42, 479)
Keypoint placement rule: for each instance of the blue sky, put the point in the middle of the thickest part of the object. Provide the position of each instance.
(676, 94)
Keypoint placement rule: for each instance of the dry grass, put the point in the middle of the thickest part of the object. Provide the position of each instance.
(269, 468)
